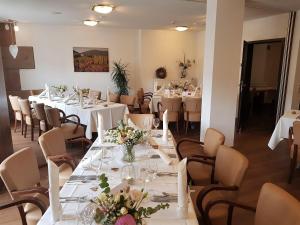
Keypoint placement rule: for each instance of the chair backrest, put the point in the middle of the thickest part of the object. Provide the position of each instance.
(25, 106)
(53, 116)
(296, 133)
(192, 105)
(20, 170)
(93, 94)
(114, 97)
(212, 140)
(36, 91)
(39, 109)
(14, 103)
(171, 104)
(140, 96)
(230, 167)
(276, 207)
(127, 99)
(143, 121)
(53, 143)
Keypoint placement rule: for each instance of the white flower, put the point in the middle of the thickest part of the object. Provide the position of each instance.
(123, 211)
(102, 197)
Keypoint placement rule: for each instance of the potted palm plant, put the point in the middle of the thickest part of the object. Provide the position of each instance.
(119, 76)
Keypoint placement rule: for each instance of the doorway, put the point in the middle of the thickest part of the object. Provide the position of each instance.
(259, 85)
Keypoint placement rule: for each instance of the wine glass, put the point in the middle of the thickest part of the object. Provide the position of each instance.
(156, 123)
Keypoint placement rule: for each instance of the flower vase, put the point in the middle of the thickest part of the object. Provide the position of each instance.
(128, 153)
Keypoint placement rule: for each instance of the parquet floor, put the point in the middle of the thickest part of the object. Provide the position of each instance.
(265, 166)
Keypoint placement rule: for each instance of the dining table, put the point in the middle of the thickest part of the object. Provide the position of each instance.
(151, 174)
(282, 127)
(88, 113)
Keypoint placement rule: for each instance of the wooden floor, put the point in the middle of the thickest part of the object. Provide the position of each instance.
(265, 166)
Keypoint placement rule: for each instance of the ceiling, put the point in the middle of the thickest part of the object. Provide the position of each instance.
(143, 14)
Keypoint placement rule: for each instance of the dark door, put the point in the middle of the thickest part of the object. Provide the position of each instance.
(244, 95)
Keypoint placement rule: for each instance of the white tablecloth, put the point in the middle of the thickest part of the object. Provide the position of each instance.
(159, 185)
(281, 130)
(88, 115)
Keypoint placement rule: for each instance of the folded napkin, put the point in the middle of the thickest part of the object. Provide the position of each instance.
(100, 128)
(182, 187)
(167, 160)
(107, 95)
(70, 97)
(165, 126)
(55, 206)
(92, 158)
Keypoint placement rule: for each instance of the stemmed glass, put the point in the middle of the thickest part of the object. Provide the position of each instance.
(156, 123)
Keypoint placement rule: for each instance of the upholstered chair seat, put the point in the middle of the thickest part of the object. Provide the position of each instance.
(29, 117)
(227, 180)
(54, 148)
(174, 106)
(20, 174)
(17, 111)
(199, 172)
(39, 109)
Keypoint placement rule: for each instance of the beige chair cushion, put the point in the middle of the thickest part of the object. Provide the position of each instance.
(276, 207)
(33, 213)
(14, 103)
(143, 121)
(212, 140)
(65, 171)
(193, 116)
(114, 97)
(68, 128)
(200, 173)
(22, 177)
(172, 116)
(18, 115)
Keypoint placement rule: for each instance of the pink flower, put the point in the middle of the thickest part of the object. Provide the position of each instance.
(126, 220)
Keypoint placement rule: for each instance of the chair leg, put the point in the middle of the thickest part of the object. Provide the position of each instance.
(25, 130)
(15, 124)
(22, 126)
(32, 132)
(177, 125)
(292, 169)
(186, 126)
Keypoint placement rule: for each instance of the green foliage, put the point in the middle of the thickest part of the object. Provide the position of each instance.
(120, 77)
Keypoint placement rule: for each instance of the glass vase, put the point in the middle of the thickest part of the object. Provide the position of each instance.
(128, 153)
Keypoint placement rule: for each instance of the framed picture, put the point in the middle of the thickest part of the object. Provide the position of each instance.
(90, 59)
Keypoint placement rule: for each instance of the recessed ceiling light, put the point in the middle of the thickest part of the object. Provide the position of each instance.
(181, 28)
(103, 9)
(90, 23)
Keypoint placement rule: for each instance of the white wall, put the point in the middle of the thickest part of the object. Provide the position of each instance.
(143, 50)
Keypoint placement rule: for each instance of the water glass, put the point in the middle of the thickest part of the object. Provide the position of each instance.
(156, 122)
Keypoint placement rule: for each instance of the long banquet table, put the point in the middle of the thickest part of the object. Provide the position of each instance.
(112, 113)
(143, 160)
(281, 130)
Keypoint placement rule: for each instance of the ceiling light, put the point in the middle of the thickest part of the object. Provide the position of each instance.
(103, 9)
(90, 23)
(181, 28)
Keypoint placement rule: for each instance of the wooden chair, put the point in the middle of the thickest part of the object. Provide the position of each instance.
(191, 110)
(144, 100)
(17, 111)
(294, 143)
(40, 113)
(72, 132)
(128, 100)
(29, 118)
(206, 150)
(229, 171)
(275, 207)
(54, 148)
(93, 94)
(142, 121)
(36, 91)
(21, 176)
(113, 97)
(174, 106)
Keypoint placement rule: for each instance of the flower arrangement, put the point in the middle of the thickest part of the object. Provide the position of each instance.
(183, 85)
(123, 207)
(184, 66)
(127, 137)
(60, 89)
(84, 91)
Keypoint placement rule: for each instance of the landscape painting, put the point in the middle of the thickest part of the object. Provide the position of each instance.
(90, 59)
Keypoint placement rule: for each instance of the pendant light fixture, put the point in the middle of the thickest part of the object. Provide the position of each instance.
(13, 48)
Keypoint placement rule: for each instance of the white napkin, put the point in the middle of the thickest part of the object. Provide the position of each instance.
(167, 160)
(80, 99)
(182, 186)
(89, 161)
(70, 97)
(100, 128)
(165, 126)
(55, 205)
(107, 96)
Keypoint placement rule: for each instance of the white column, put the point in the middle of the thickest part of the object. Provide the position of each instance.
(224, 28)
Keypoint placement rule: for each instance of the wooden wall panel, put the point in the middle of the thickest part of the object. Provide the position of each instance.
(7, 37)
(24, 60)
(12, 79)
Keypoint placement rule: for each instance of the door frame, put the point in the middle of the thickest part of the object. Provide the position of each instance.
(245, 76)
